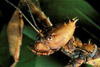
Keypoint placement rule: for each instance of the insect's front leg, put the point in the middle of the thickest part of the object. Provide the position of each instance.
(14, 32)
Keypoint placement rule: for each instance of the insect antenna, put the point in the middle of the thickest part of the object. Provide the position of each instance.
(32, 15)
(25, 17)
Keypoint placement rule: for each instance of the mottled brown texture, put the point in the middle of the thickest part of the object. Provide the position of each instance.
(14, 32)
(95, 61)
(81, 52)
(57, 38)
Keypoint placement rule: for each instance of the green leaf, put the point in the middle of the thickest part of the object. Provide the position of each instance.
(27, 58)
(60, 10)
(30, 32)
(5, 57)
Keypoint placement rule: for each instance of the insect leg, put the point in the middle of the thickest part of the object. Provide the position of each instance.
(23, 16)
(14, 32)
(95, 61)
(94, 52)
(32, 15)
(40, 14)
(75, 63)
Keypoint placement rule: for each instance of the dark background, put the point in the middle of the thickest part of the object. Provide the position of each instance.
(7, 10)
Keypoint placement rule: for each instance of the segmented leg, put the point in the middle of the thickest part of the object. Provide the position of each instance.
(37, 11)
(14, 32)
(80, 53)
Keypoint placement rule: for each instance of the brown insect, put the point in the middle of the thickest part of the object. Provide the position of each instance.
(46, 45)
(55, 38)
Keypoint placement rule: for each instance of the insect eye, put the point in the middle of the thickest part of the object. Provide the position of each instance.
(49, 38)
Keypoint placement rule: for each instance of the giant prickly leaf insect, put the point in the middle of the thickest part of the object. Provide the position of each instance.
(47, 43)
